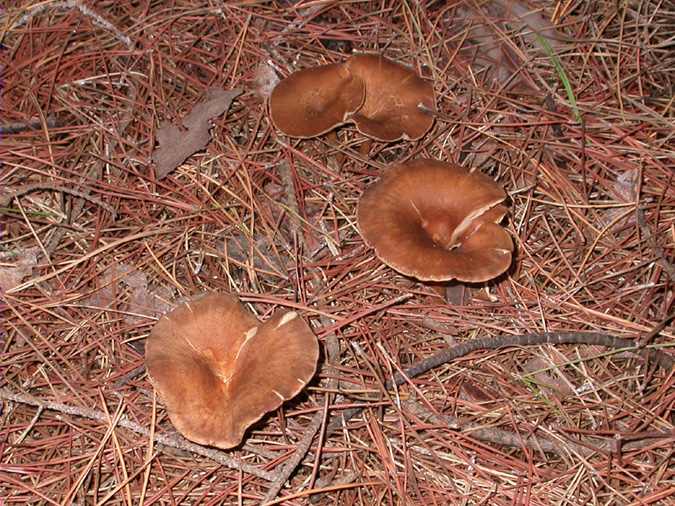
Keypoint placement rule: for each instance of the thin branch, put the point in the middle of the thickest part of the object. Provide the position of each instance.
(493, 434)
(492, 343)
(29, 188)
(14, 127)
(96, 18)
(332, 357)
(295, 459)
(173, 441)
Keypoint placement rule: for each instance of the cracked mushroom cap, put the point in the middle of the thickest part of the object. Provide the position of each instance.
(312, 101)
(435, 221)
(393, 94)
(218, 369)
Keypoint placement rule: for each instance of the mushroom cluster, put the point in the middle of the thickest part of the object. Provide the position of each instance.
(215, 366)
(384, 100)
(427, 219)
(219, 370)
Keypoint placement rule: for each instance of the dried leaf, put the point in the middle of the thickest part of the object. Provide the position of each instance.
(524, 14)
(142, 301)
(550, 381)
(625, 190)
(147, 303)
(472, 392)
(626, 185)
(15, 266)
(485, 46)
(178, 142)
(265, 80)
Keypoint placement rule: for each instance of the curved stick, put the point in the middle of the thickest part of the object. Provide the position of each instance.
(492, 343)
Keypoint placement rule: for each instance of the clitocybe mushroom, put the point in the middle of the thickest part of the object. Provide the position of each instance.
(395, 98)
(435, 221)
(218, 369)
(385, 100)
(312, 101)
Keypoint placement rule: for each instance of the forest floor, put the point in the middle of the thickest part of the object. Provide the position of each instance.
(567, 105)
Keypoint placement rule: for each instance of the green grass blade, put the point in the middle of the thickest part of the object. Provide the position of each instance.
(561, 74)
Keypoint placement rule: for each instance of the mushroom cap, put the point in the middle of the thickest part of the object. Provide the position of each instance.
(313, 101)
(393, 95)
(219, 370)
(435, 221)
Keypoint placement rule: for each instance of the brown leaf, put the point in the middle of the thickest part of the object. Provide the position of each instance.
(265, 80)
(142, 301)
(625, 190)
(472, 392)
(487, 49)
(526, 15)
(551, 381)
(178, 142)
(147, 303)
(15, 266)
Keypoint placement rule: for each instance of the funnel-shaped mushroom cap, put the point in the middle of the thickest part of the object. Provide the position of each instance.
(393, 95)
(313, 101)
(218, 369)
(436, 222)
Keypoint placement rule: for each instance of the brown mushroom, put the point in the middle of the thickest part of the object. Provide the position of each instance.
(218, 369)
(312, 101)
(435, 221)
(385, 100)
(394, 94)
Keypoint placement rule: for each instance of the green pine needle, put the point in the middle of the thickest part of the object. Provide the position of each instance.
(562, 75)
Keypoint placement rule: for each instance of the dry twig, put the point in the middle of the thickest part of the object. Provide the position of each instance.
(173, 441)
